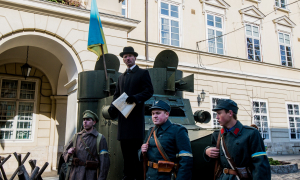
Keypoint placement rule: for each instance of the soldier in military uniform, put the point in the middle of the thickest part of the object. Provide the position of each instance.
(84, 155)
(244, 145)
(174, 142)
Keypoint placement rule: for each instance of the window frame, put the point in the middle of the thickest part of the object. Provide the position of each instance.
(285, 8)
(215, 29)
(288, 121)
(179, 19)
(17, 101)
(268, 116)
(253, 37)
(212, 112)
(126, 8)
(291, 47)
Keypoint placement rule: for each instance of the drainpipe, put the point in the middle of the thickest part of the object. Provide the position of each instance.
(146, 31)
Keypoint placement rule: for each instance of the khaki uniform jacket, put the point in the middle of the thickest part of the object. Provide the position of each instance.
(79, 172)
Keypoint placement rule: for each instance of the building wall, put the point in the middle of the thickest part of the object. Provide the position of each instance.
(232, 75)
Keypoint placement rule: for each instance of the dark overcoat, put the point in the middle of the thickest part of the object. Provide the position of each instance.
(246, 147)
(137, 83)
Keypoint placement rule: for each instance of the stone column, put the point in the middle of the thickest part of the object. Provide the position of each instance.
(71, 120)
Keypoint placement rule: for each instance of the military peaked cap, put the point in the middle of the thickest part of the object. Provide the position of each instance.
(90, 114)
(161, 105)
(227, 104)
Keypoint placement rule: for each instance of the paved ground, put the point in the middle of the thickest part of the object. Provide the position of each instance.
(290, 176)
(290, 158)
(47, 175)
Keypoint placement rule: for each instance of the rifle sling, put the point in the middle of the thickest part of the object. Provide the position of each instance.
(160, 148)
(229, 158)
(88, 149)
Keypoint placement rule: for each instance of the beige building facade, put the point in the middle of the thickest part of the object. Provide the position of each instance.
(253, 60)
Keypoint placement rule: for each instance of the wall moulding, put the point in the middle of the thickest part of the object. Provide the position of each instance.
(68, 13)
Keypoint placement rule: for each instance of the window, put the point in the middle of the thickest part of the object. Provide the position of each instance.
(280, 3)
(261, 118)
(124, 8)
(215, 121)
(285, 49)
(253, 42)
(169, 24)
(16, 109)
(214, 34)
(294, 120)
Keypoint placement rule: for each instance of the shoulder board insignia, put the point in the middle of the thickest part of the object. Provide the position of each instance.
(178, 124)
(249, 127)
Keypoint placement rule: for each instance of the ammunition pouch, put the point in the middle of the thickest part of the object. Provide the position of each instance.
(93, 165)
(244, 172)
(165, 166)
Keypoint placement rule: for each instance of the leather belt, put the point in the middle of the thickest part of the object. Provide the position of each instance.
(153, 165)
(229, 171)
(78, 162)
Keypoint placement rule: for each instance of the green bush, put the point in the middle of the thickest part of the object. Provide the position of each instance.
(274, 162)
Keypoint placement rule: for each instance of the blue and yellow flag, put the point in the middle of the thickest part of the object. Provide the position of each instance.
(96, 34)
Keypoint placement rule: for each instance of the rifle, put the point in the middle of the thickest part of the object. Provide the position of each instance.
(145, 158)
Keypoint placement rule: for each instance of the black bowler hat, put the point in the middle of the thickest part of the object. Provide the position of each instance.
(128, 50)
(161, 105)
(227, 104)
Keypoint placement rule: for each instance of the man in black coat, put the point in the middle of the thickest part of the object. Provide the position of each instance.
(136, 83)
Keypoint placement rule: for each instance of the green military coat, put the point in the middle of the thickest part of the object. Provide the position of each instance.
(246, 147)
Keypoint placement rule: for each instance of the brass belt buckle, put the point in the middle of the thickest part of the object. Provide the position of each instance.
(225, 171)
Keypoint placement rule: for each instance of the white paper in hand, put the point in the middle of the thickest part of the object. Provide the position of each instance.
(122, 105)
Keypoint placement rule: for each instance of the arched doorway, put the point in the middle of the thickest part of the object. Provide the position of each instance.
(55, 67)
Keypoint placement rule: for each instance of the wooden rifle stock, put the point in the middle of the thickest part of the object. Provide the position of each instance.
(145, 161)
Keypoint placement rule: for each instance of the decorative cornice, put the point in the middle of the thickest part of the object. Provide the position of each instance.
(222, 72)
(71, 86)
(223, 3)
(68, 12)
(245, 11)
(291, 24)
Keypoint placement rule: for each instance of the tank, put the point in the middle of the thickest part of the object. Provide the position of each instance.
(95, 92)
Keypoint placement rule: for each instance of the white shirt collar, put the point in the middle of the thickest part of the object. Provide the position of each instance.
(131, 68)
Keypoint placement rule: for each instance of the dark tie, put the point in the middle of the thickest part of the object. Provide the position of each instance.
(128, 71)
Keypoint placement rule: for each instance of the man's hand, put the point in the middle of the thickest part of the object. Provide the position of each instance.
(131, 100)
(144, 148)
(212, 152)
(71, 150)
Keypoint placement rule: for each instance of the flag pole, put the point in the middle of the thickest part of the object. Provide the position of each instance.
(104, 64)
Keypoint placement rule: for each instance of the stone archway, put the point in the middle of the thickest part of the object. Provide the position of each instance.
(59, 63)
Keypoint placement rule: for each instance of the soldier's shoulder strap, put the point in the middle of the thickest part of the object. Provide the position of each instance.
(75, 139)
(249, 127)
(99, 137)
